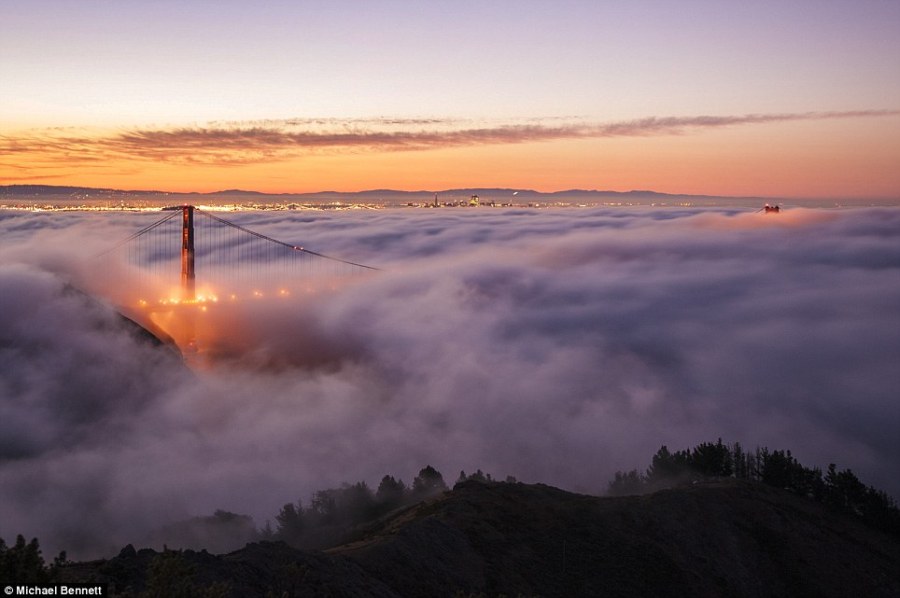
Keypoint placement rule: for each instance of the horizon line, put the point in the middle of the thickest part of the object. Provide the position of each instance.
(514, 190)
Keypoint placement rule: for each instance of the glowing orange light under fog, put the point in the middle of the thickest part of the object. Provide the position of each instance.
(210, 298)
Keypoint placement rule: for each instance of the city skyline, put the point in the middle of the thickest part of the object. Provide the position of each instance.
(797, 99)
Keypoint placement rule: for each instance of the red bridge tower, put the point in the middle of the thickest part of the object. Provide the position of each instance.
(187, 254)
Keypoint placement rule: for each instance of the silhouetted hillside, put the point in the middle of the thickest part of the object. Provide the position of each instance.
(714, 538)
(38, 190)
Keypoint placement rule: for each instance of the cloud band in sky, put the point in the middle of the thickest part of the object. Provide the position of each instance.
(237, 143)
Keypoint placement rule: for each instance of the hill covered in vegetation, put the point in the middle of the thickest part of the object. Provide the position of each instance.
(698, 528)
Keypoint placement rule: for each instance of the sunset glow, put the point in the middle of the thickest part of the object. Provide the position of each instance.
(773, 99)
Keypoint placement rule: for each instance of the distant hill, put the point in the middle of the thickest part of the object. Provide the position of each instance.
(718, 538)
(372, 194)
(37, 190)
(238, 192)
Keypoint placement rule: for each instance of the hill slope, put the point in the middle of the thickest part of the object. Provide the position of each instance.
(728, 537)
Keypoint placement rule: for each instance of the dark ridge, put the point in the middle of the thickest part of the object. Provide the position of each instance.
(723, 537)
(37, 190)
(239, 192)
(69, 190)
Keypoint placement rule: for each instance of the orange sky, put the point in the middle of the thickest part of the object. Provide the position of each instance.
(765, 99)
(852, 156)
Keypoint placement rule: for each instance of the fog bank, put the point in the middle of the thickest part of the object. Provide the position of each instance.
(557, 346)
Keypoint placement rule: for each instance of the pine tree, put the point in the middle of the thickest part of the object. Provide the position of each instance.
(428, 482)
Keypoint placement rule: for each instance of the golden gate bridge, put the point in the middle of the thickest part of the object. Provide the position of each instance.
(191, 258)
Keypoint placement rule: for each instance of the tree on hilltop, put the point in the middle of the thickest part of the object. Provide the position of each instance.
(841, 490)
(23, 562)
(428, 482)
(290, 523)
(390, 492)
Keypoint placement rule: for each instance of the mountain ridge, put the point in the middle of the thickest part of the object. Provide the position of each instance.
(712, 538)
(41, 190)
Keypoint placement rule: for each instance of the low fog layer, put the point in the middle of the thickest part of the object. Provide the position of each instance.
(556, 346)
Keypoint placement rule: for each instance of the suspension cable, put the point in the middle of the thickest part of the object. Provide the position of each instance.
(143, 231)
(282, 243)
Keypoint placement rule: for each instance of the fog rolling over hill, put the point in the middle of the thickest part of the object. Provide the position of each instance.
(556, 346)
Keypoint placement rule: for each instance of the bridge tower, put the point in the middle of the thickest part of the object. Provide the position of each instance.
(187, 254)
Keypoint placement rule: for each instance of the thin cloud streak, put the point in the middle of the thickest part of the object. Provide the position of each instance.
(250, 142)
